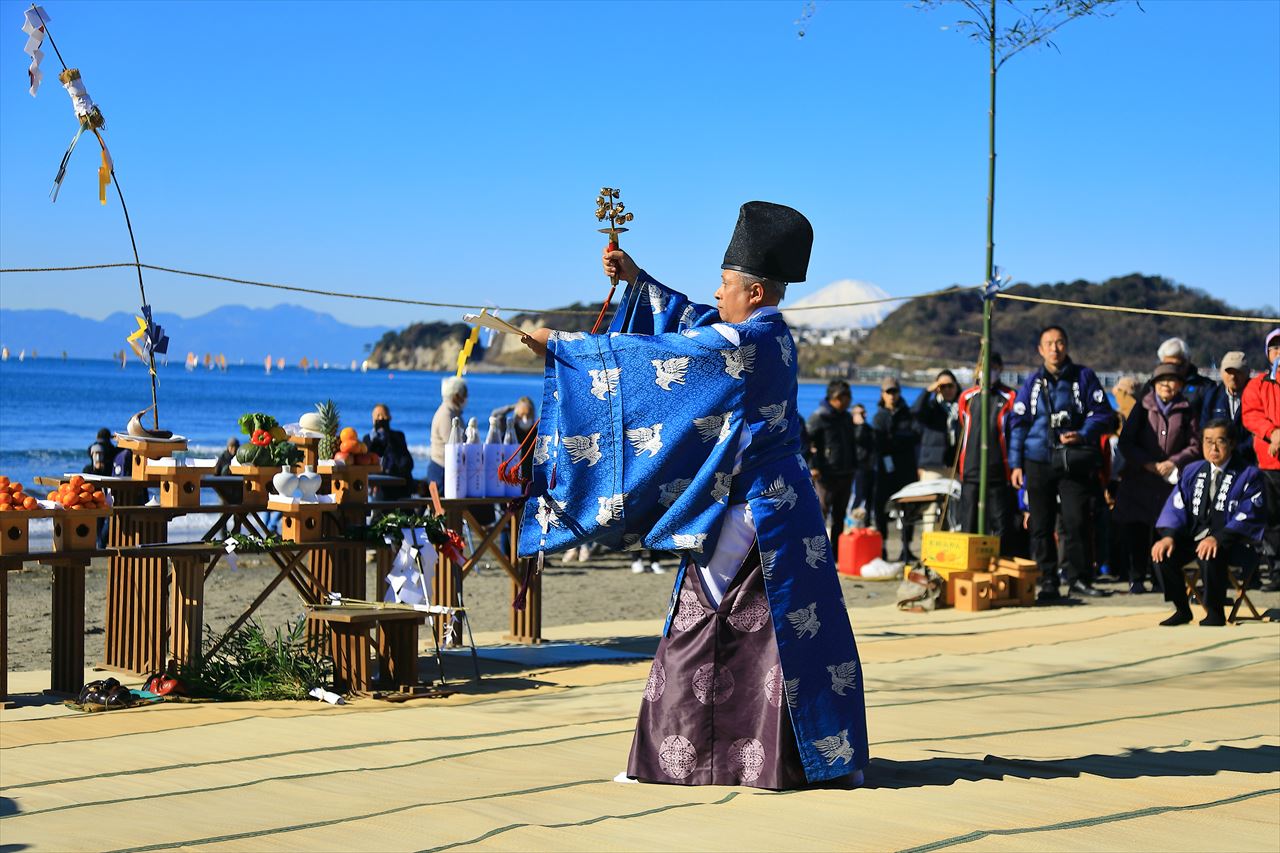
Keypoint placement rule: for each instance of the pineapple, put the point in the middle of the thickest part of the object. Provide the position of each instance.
(329, 416)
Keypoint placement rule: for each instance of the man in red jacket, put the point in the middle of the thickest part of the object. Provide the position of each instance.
(1002, 500)
(1260, 414)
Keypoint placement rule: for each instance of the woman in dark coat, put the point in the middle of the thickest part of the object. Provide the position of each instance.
(897, 451)
(1160, 437)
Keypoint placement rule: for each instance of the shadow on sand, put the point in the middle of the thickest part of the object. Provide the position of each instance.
(1132, 764)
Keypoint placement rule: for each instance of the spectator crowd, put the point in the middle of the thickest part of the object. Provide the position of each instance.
(1184, 469)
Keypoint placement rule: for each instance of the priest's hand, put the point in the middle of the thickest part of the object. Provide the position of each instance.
(1162, 550)
(618, 264)
(537, 341)
(1207, 549)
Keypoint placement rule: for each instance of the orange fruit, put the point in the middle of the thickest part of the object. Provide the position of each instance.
(15, 487)
(29, 503)
(52, 496)
(4, 481)
(76, 480)
(348, 434)
(5, 499)
(100, 496)
(5, 508)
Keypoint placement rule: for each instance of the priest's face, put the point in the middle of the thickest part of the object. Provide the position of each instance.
(734, 301)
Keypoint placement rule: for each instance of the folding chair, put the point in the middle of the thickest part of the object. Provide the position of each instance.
(1241, 585)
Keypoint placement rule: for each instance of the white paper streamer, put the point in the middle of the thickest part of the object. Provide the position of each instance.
(33, 26)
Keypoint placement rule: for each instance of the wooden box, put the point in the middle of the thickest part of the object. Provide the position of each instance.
(179, 484)
(146, 449)
(257, 482)
(300, 522)
(958, 551)
(348, 483)
(972, 594)
(14, 526)
(77, 529)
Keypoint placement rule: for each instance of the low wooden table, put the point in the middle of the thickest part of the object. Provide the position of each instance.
(66, 657)
(397, 645)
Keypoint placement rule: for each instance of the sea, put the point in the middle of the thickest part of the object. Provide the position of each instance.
(51, 409)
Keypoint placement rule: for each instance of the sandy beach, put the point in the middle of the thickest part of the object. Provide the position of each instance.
(600, 590)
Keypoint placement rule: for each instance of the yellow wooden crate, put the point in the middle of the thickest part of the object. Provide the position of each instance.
(958, 551)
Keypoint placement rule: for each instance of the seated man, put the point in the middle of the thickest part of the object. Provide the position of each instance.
(1217, 508)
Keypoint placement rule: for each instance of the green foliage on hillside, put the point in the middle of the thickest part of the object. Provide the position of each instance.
(944, 329)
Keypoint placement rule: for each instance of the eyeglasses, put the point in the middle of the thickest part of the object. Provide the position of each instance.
(1217, 442)
(893, 390)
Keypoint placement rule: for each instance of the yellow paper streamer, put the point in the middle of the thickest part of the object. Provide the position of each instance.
(104, 175)
(467, 347)
(133, 339)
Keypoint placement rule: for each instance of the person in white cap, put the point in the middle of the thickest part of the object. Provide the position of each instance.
(1225, 401)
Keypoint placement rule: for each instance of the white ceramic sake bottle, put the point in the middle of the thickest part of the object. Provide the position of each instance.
(510, 449)
(455, 470)
(473, 454)
(493, 486)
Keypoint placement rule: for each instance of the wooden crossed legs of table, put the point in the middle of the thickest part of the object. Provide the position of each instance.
(526, 623)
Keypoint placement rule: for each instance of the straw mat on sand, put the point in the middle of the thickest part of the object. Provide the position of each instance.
(1036, 729)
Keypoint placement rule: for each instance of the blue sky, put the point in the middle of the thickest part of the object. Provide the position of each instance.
(452, 152)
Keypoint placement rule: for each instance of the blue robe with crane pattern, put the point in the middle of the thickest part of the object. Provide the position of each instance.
(640, 431)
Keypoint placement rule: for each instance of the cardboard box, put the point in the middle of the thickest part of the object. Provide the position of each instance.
(942, 550)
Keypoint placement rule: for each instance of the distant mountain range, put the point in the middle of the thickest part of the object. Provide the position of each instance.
(847, 317)
(290, 332)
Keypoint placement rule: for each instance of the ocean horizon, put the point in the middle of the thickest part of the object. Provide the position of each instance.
(51, 409)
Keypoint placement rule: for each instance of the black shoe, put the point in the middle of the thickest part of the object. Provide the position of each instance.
(1180, 617)
(1049, 595)
(1081, 588)
(1214, 620)
(907, 557)
(1137, 588)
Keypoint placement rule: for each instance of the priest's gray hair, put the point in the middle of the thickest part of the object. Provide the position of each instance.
(773, 289)
(451, 387)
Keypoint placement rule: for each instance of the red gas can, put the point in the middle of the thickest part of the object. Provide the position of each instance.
(857, 548)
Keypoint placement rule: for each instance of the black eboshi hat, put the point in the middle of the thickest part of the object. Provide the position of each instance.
(770, 241)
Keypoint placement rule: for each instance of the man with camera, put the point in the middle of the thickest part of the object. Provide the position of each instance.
(1059, 418)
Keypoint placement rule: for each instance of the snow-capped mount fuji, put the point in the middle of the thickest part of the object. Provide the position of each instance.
(849, 317)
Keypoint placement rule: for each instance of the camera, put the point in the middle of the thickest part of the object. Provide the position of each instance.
(1058, 420)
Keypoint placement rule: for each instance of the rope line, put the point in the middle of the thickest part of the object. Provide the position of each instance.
(1163, 313)
(569, 311)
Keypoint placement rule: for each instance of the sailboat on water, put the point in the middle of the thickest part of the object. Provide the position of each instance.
(267, 364)
(191, 361)
(4, 353)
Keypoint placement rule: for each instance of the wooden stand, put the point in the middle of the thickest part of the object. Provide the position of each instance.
(397, 645)
(310, 445)
(14, 526)
(179, 484)
(77, 529)
(340, 568)
(257, 482)
(186, 608)
(146, 449)
(134, 640)
(1010, 583)
(302, 522)
(67, 651)
(4, 635)
(349, 483)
